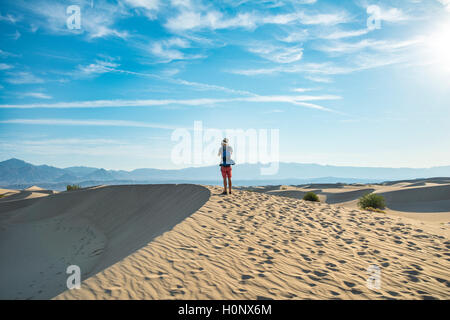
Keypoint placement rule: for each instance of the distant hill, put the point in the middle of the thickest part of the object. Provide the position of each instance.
(15, 172)
(67, 177)
(19, 171)
(100, 175)
(80, 171)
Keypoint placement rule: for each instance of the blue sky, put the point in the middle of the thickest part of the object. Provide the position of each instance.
(340, 91)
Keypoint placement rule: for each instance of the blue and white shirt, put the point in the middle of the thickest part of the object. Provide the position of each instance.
(225, 156)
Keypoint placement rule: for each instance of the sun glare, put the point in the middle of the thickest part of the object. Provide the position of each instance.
(438, 47)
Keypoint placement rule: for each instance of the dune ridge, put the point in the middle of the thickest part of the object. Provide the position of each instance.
(92, 228)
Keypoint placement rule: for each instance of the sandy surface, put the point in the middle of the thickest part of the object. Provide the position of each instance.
(425, 200)
(248, 245)
(29, 193)
(13, 200)
(7, 192)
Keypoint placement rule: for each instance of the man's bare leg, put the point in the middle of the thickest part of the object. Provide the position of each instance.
(229, 184)
(225, 185)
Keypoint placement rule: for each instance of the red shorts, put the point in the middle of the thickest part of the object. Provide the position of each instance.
(226, 171)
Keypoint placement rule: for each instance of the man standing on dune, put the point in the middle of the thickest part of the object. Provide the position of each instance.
(225, 152)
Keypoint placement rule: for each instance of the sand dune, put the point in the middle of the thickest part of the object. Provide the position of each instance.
(35, 188)
(22, 195)
(417, 194)
(437, 180)
(190, 242)
(345, 196)
(258, 246)
(424, 199)
(90, 228)
(7, 192)
(29, 193)
(8, 208)
(17, 199)
(296, 194)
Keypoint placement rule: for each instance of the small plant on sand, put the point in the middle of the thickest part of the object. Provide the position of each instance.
(311, 196)
(71, 187)
(2, 195)
(372, 202)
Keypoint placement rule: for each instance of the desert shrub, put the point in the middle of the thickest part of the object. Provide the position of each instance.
(71, 187)
(311, 196)
(372, 200)
(2, 195)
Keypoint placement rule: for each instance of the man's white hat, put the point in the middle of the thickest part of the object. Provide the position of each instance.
(225, 141)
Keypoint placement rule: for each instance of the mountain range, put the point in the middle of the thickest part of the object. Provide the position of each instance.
(18, 173)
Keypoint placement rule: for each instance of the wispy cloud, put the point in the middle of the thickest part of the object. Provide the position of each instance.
(9, 18)
(378, 45)
(105, 65)
(296, 36)
(324, 18)
(4, 66)
(325, 68)
(88, 147)
(38, 95)
(98, 67)
(295, 100)
(71, 141)
(188, 20)
(208, 87)
(301, 90)
(340, 34)
(319, 79)
(320, 72)
(195, 18)
(5, 54)
(305, 35)
(33, 28)
(109, 65)
(23, 77)
(279, 54)
(268, 3)
(366, 54)
(170, 50)
(388, 14)
(16, 35)
(149, 5)
(101, 123)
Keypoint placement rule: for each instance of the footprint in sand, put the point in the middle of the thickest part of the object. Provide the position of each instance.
(263, 298)
(176, 291)
(306, 257)
(393, 293)
(428, 298)
(413, 278)
(349, 284)
(320, 274)
(356, 291)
